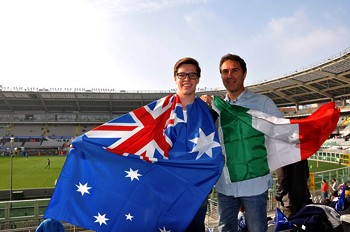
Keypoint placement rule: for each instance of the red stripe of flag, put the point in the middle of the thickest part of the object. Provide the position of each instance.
(114, 128)
(315, 129)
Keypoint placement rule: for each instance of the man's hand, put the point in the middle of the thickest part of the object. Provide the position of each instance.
(207, 99)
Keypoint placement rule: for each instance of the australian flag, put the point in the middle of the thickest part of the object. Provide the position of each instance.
(148, 170)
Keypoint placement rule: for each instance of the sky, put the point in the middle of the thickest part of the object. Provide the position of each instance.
(134, 44)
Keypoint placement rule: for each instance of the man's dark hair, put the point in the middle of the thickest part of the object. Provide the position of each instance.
(234, 58)
(187, 60)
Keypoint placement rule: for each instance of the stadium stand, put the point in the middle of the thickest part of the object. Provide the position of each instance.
(35, 117)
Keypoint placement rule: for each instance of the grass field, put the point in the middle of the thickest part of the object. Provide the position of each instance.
(31, 173)
(323, 166)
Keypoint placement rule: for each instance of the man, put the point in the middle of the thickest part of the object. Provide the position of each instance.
(250, 193)
(335, 187)
(48, 163)
(186, 76)
(324, 190)
(292, 190)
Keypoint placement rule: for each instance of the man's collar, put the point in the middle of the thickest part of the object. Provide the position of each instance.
(235, 100)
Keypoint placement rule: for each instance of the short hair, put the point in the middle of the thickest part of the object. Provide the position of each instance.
(233, 57)
(187, 60)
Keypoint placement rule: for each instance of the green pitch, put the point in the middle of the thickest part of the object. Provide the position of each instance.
(315, 166)
(31, 173)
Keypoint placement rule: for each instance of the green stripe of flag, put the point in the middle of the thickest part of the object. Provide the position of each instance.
(244, 149)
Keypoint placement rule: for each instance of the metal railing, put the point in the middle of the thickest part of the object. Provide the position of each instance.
(26, 215)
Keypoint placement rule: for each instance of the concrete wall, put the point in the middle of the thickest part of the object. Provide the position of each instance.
(24, 194)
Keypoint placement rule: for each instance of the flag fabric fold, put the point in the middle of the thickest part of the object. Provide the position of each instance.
(149, 170)
(281, 221)
(262, 142)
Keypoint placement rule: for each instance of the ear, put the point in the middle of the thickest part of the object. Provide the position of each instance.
(245, 74)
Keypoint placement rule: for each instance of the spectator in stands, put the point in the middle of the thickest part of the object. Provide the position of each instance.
(333, 201)
(340, 188)
(292, 190)
(251, 193)
(347, 199)
(324, 190)
(50, 225)
(242, 225)
(335, 187)
(48, 163)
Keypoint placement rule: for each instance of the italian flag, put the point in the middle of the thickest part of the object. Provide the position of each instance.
(255, 143)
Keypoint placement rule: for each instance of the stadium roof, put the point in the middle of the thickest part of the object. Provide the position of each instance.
(326, 81)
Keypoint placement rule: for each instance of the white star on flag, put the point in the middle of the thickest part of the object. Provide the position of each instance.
(83, 188)
(129, 217)
(133, 174)
(164, 230)
(204, 144)
(101, 219)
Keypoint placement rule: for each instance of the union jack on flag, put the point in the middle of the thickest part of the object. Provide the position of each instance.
(141, 132)
(106, 185)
